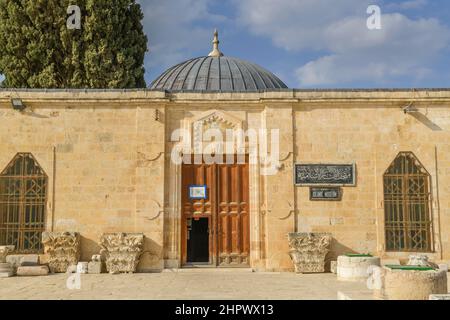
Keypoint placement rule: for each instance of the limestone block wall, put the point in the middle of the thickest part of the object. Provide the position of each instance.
(104, 162)
(371, 135)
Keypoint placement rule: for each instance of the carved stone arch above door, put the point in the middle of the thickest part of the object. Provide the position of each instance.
(213, 119)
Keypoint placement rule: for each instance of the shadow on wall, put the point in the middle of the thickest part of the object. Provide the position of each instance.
(89, 248)
(150, 261)
(336, 249)
(426, 121)
(151, 258)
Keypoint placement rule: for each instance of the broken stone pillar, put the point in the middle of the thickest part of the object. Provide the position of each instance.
(122, 251)
(421, 261)
(355, 268)
(411, 284)
(32, 271)
(308, 251)
(63, 249)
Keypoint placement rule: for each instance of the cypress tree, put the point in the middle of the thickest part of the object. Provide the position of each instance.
(37, 50)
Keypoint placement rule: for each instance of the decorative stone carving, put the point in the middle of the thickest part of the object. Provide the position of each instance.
(422, 261)
(4, 251)
(122, 251)
(63, 249)
(308, 251)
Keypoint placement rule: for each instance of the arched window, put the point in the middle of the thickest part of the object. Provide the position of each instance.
(407, 205)
(23, 197)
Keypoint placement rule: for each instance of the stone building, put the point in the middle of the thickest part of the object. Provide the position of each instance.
(102, 161)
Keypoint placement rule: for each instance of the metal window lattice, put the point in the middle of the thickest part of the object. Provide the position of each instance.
(407, 205)
(23, 197)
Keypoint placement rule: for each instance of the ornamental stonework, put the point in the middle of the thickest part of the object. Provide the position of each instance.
(308, 251)
(122, 251)
(62, 248)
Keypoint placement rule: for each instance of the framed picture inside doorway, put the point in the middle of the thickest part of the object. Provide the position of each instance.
(198, 192)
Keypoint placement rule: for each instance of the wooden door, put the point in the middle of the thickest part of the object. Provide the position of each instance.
(194, 174)
(233, 215)
(226, 207)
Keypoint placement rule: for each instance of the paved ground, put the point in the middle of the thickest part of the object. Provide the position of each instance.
(202, 284)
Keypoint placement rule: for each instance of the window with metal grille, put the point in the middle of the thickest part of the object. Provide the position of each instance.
(407, 205)
(23, 197)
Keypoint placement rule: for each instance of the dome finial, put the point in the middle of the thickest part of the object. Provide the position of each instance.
(216, 52)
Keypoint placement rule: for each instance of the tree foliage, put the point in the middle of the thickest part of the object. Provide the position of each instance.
(37, 50)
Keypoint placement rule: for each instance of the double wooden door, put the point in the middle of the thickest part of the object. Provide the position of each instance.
(226, 210)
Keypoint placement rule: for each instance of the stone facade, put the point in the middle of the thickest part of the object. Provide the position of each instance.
(122, 251)
(107, 158)
(62, 248)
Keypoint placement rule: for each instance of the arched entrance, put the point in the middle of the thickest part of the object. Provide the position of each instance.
(407, 198)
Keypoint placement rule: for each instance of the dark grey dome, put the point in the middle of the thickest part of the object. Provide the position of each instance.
(217, 73)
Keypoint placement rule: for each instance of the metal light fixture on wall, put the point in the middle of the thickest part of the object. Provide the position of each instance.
(18, 104)
(410, 108)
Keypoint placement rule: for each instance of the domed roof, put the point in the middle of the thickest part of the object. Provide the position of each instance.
(217, 72)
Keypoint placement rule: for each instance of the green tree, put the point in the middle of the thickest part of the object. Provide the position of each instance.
(37, 50)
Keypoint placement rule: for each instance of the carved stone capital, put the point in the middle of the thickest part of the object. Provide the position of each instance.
(63, 249)
(4, 251)
(308, 251)
(122, 251)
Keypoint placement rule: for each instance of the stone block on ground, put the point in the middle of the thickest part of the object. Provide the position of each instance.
(32, 271)
(95, 267)
(6, 274)
(440, 296)
(6, 270)
(333, 267)
(82, 267)
(29, 260)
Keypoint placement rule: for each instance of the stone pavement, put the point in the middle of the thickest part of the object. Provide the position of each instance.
(196, 284)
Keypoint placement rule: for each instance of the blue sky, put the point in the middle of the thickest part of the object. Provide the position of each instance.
(309, 43)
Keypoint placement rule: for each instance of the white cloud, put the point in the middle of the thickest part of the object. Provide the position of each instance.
(173, 28)
(350, 53)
